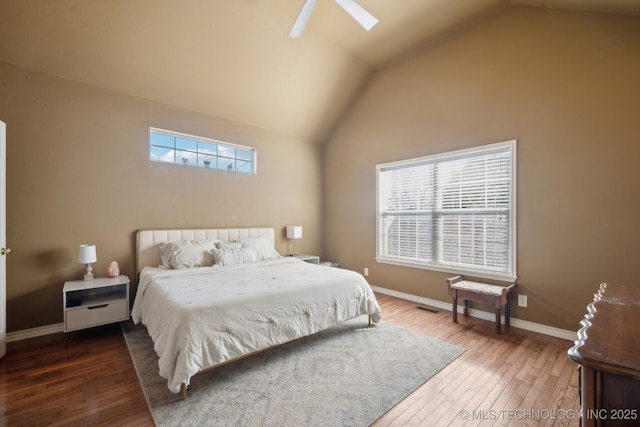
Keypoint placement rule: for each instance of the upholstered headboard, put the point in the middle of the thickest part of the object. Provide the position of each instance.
(148, 241)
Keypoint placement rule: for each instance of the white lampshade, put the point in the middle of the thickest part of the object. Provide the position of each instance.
(87, 254)
(294, 232)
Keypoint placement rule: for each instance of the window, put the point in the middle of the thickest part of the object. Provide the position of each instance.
(172, 147)
(452, 212)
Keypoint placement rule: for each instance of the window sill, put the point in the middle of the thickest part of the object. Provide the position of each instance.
(469, 273)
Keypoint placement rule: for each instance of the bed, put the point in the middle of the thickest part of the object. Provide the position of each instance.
(212, 296)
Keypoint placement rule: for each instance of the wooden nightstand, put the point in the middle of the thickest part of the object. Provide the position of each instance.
(311, 259)
(89, 303)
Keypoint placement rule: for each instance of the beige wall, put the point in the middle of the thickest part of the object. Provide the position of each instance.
(78, 171)
(566, 86)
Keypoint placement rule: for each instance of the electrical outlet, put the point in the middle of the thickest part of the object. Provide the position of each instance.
(522, 300)
(366, 271)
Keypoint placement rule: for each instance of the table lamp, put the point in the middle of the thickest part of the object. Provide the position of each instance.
(294, 232)
(87, 255)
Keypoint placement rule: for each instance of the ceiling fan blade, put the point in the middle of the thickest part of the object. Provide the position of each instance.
(303, 17)
(358, 13)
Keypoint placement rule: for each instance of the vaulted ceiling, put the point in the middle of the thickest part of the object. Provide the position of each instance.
(232, 58)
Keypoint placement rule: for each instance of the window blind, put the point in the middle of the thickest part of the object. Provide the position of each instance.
(451, 212)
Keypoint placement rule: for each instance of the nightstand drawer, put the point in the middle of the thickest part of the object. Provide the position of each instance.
(99, 314)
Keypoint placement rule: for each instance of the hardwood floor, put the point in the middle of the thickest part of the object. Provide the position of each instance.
(517, 378)
(84, 378)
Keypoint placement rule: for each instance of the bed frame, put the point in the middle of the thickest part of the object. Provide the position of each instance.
(148, 251)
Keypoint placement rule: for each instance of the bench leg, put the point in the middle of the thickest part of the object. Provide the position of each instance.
(507, 312)
(498, 320)
(454, 309)
(466, 307)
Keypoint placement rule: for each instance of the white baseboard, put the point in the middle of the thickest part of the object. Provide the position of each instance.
(35, 332)
(479, 314)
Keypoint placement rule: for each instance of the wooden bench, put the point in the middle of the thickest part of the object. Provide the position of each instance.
(499, 296)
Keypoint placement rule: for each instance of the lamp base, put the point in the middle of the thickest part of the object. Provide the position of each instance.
(88, 272)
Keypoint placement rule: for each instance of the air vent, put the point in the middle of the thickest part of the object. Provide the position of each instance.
(430, 310)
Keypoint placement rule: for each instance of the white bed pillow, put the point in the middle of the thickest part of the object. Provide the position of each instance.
(188, 253)
(233, 253)
(262, 246)
(165, 253)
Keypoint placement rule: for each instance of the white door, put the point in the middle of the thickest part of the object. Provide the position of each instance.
(3, 241)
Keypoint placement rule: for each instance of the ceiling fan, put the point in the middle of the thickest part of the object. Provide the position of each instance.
(356, 11)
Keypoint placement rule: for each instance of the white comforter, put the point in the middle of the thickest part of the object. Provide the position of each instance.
(200, 317)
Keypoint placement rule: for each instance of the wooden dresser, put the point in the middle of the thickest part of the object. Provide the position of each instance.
(608, 354)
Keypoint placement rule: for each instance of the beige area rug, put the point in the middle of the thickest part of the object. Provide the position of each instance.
(349, 375)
